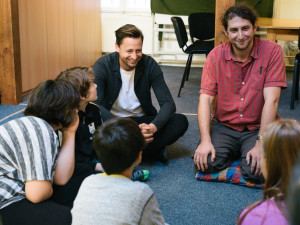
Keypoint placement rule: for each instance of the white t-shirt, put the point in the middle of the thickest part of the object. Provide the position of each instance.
(127, 104)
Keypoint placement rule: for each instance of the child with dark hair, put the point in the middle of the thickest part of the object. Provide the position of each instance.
(280, 148)
(91, 117)
(111, 197)
(30, 158)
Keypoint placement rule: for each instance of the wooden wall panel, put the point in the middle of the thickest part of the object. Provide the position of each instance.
(10, 69)
(221, 7)
(56, 35)
(60, 33)
(87, 29)
(33, 42)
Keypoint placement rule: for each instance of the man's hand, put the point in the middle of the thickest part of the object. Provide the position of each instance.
(148, 131)
(254, 153)
(201, 154)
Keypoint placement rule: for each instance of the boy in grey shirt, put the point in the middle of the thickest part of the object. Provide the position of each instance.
(112, 197)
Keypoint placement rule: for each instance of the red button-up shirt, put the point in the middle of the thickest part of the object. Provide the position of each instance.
(238, 86)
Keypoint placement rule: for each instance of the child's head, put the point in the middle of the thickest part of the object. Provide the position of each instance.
(55, 102)
(118, 143)
(280, 147)
(81, 78)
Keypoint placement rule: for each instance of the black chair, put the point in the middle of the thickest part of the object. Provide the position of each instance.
(202, 28)
(295, 87)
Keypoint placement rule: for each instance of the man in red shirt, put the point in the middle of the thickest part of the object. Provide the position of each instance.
(243, 78)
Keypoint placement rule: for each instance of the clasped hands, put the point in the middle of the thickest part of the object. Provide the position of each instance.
(148, 130)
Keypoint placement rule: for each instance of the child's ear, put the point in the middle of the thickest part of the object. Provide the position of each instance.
(138, 160)
(82, 98)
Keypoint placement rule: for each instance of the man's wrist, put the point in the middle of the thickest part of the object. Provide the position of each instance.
(153, 128)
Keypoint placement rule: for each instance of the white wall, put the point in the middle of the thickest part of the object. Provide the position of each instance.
(112, 21)
(286, 9)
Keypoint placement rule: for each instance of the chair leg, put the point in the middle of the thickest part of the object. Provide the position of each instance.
(189, 68)
(295, 84)
(185, 73)
(297, 81)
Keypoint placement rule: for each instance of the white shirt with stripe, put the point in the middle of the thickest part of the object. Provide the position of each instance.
(28, 151)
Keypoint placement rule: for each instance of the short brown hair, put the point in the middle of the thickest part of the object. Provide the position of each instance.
(128, 30)
(117, 144)
(79, 77)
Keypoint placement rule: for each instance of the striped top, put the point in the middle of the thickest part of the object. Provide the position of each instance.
(28, 151)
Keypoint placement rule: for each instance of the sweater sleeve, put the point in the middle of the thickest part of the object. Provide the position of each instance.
(100, 72)
(163, 96)
(151, 213)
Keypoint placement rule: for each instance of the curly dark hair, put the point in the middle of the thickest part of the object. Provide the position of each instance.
(240, 10)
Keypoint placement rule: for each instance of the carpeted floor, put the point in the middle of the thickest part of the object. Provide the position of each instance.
(182, 199)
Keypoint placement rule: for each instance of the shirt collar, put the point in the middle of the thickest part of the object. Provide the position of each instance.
(86, 113)
(229, 53)
(113, 175)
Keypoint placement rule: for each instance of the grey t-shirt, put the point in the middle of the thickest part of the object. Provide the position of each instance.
(115, 200)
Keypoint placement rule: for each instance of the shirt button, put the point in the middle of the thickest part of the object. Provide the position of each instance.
(243, 82)
(242, 99)
(241, 115)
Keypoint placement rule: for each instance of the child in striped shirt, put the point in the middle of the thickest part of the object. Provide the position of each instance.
(31, 160)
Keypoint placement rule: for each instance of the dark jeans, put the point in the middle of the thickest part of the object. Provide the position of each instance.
(67, 193)
(27, 213)
(170, 133)
(231, 145)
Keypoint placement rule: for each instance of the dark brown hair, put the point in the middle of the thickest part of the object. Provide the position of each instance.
(79, 77)
(240, 10)
(280, 148)
(128, 30)
(55, 102)
(118, 143)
